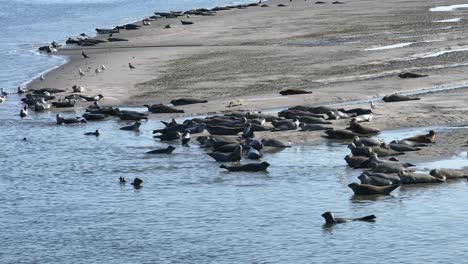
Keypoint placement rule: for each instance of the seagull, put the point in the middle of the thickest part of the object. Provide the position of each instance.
(84, 55)
(24, 111)
(97, 70)
(131, 66)
(103, 67)
(372, 105)
(42, 77)
(81, 72)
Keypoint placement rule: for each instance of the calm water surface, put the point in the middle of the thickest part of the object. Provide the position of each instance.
(61, 201)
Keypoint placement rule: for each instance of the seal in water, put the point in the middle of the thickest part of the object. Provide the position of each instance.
(168, 136)
(162, 109)
(95, 133)
(407, 75)
(330, 219)
(185, 137)
(428, 138)
(398, 98)
(24, 111)
(231, 157)
(293, 92)
(251, 167)
(134, 127)
(167, 150)
(187, 101)
(137, 183)
(357, 162)
(448, 174)
(253, 154)
(366, 189)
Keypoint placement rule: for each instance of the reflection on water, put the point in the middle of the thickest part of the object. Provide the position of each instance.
(61, 199)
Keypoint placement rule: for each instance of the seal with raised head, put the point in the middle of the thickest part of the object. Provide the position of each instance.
(367, 189)
(357, 162)
(95, 133)
(330, 219)
(251, 167)
(134, 127)
(428, 138)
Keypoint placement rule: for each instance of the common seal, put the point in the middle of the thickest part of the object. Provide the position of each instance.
(251, 167)
(406, 75)
(359, 151)
(131, 116)
(313, 120)
(187, 101)
(395, 179)
(248, 131)
(293, 92)
(137, 183)
(398, 98)
(376, 181)
(185, 138)
(48, 90)
(24, 111)
(222, 130)
(400, 147)
(366, 189)
(448, 174)
(365, 141)
(341, 134)
(41, 105)
(168, 136)
(287, 124)
(236, 155)
(335, 115)
(386, 167)
(357, 162)
(290, 114)
(167, 150)
(92, 98)
(96, 133)
(382, 151)
(363, 118)
(312, 127)
(162, 109)
(64, 103)
(330, 219)
(133, 127)
(361, 129)
(358, 111)
(315, 110)
(67, 121)
(94, 117)
(415, 178)
(253, 154)
(428, 138)
(274, 143)
(185, 22)
(78, 89)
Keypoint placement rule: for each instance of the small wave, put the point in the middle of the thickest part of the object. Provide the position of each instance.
(394, 46)
(452, 20)
(448, 8)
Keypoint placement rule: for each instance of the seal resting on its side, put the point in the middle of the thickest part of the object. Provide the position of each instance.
(448, 174)
(398, 98)
(428, 138)
(366, 189)
(252, 167)
(293, 92)
(162, 109)
(406, 75)
(330, 219)
(187, 101)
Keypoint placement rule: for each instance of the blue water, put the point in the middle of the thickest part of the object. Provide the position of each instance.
(60, 200)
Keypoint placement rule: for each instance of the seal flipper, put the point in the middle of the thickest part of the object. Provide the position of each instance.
(369, 218)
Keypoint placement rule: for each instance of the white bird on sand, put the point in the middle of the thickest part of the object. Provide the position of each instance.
(81, 72)
(372, 105)
(103, 67)
(42, 77)
(24, 112)
(97, 70)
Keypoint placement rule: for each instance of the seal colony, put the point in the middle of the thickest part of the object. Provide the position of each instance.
(237, 135)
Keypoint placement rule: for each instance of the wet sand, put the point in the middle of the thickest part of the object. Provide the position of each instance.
(251, 54)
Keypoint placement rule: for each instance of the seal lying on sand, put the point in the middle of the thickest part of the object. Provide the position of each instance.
(366, 189)
(398, 98)
(67, 121)
(406, 75)
(274, 143)
(341, 134)
(162, 109)
(362, 129)
(293, 92)
(414, 178)
(448, 174)
(253, 167)
(330, 219)
(187, 101)
(429, 138)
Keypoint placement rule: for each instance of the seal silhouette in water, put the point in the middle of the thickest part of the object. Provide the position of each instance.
(137, 183)
(330, 219)
(95, 133)
(133, 127)
(167, 150)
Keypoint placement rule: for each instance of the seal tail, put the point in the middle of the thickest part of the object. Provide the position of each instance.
(367, 218)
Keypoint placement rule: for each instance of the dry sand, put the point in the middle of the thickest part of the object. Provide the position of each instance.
(251, 54)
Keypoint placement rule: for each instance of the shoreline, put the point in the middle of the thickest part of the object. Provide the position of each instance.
(249, 54)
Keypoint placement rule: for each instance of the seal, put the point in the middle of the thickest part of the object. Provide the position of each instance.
(415, 178)
(231, 157)
(274, 143)
(385, 166)
(376, 181)
(365, 141)
(251, 167)
(24, 112)
(398, 98)
(287, 124)
(290, 114)
(313, 120)
(428, 138)
(383, 176)
(162, 109)
(168, 136)
(248, 131)
(382, 151)
(185, 137)
(359, 151)
(253, 154)
(330, 219)
(92, 98)
(447, 174)
(134, 127)
(363, 118)
(341, 134)
(137, 183)
(133, 116)
(399, 147)
(312, 127)
(64, 103)
(294, 92)
(223, 130)
(407, 75)
(187, 101)
(67, 121)
(95, 133)
(315, 110)
(335, 115)
(366, 189)
(94, 117)
(167, 150)
(362, 129)
(357, 162)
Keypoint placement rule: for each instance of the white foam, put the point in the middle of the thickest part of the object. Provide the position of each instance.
(452, 20)
(447, 8)
(442, 52)
(394, 46)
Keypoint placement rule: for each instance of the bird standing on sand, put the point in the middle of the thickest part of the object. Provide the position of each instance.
(42, 77)
(131, 66)
(84, 55)
(81, 72)
(372, 105)
(97, 70)
(103, 67)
